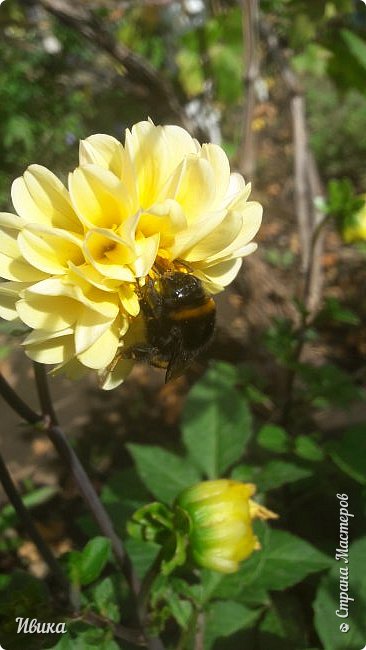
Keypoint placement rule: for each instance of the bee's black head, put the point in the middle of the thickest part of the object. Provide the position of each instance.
(181, 288)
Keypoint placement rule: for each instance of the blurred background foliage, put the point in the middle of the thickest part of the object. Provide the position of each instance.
(56, 87)
(295, 427)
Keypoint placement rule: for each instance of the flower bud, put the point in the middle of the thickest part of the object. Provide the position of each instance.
(355, 231)
(220, 514)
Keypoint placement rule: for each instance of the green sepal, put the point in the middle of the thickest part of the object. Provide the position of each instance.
(153, 522)
(166, 526)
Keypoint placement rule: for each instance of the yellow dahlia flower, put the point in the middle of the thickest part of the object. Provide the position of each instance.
(74, 258)
(221, 514)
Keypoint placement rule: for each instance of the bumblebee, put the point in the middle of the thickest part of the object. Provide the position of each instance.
(179, 318)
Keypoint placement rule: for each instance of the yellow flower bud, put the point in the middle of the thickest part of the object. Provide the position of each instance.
(356, 230)
(221, 514)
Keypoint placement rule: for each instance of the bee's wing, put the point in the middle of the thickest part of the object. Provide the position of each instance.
(179, 362)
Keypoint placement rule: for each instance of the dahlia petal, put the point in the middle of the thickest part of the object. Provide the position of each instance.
(72, 369)
(102, 150)
(112, 378)
(48, 313)
(13, 266)
(165, 218)
(219, 275)
(221, 237)
(129, 299)
(192, 185)
(86, 274)
(88, 329)
(196, 232)
(9, 295)
(50, 347)
(99, 197)
(215, 563)
(12, 221)
(155, 152)
(49, 250)
(220, 166)
(146, 251)
(40, 197)
(102, 352)
(251, 215)
(109, 254)
(96, 300)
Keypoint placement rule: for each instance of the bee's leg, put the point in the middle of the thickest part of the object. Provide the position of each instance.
(147, 353)
(140, 352)
(151, 300)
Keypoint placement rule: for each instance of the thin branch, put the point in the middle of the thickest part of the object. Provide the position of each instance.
(45, 399)
(27, 521)
(315, 274)
(59, 440)
(250, 19)
(301, 178)
(73, 464)
(308, 185)
(16, 403)
(119, 631)
(79, 17)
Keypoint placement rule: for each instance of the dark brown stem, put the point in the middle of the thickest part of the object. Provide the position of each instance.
(44, 395)
(26, 520)
(16, 403)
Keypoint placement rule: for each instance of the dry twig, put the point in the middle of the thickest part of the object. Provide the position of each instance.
(250, 18)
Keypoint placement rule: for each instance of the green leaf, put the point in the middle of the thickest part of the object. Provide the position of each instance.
(181, 609)
(350, 453)
(86, 566)
(216, 422)
(163, 473)
(231, 587)
(122, 495)
(334, 310)
(329, 384)
(273, 438)
(327, 602)
(280, 472)
(356, 45)
(246, 473)
(285, 622)
(224, 618)
(308, 449)
(286, 560)
(94, 557)
(105, 596)
(142, 554)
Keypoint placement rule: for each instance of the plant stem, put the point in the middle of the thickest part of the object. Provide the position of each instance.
(66, 452)
(306, 321)
(250, 20)
(60, 442)
(25, 519)
(119, 631)
(16, 403)
(44, 395)
(147, 583)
